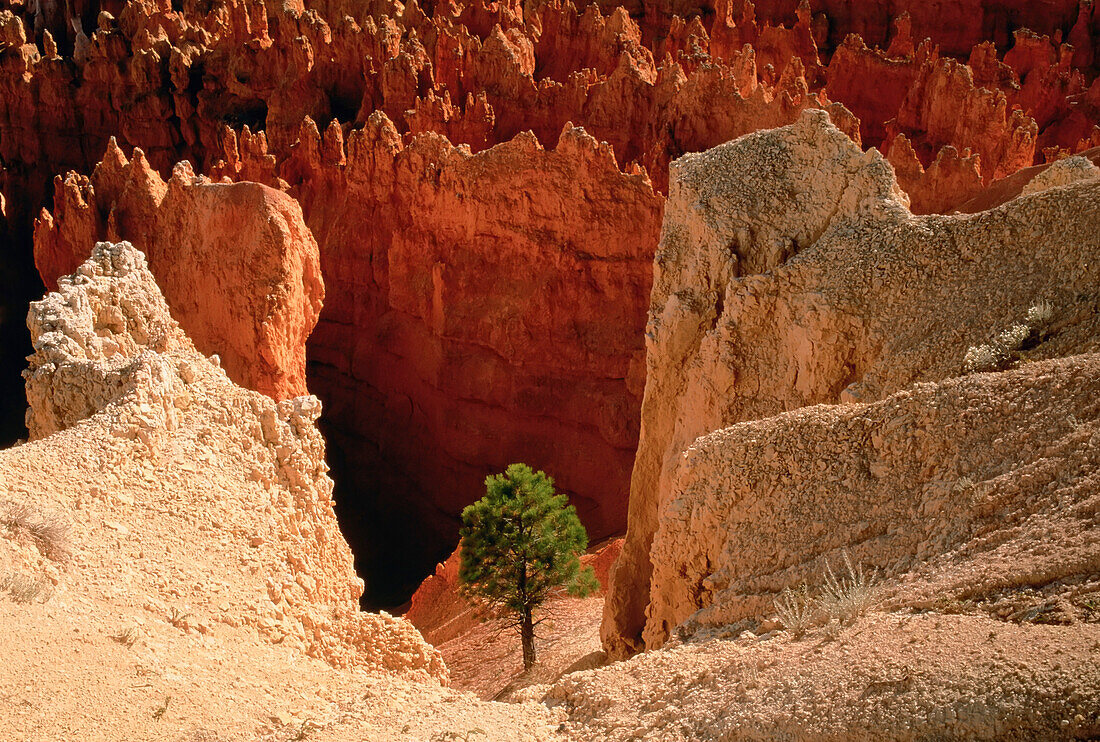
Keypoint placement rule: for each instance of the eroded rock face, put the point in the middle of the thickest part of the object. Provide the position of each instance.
(238, 266)
(945, 488)
(487, 314)
(115, 380)
(791, 273)
(292, 96)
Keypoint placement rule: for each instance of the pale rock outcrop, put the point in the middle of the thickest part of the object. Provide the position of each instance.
(946, 489)
(128, 415)
(1063, 172)
(791, 273)
(888, 677)
(973, 502)
(238, 266)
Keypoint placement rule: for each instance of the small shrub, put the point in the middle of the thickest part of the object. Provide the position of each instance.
(848, 596)
(49, 531)
(450, 736)
(1002, 350)
(127, 636)
(795, 609)
(1041, 314)
(21, 588)
(162, 709)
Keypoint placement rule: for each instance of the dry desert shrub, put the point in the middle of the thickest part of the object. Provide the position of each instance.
(840, 600)
(1001, 351)
(49, 530)
(796, 610)
(848, 597)
(21, 588)
(127, 636)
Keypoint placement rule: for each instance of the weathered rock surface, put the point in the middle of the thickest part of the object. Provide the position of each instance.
(114, 379)
(173, 547)
(236, 263)
(791, 273)
(946, 488)
(888, 677)
(236, 90)
(488, 314)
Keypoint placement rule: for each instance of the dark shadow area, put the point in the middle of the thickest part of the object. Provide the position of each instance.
(19, 285)
(395, 542)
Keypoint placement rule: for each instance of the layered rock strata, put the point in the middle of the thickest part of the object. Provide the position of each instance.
(791, 273)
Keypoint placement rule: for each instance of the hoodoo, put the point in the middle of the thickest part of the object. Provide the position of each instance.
(794, 300)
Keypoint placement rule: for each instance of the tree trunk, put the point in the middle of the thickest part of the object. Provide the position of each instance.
(527, 636)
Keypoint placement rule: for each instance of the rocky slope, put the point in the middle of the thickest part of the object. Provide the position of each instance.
(170, 563)
(946, 488)
(114, 379)
(791, 273)
(483, 653)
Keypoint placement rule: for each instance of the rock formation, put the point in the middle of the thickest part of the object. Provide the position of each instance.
(113, 376)
(791, 273)
(236, 263)
(172, 544)
(889, 677)
(306, 97)
(946, 487)
(487, 314)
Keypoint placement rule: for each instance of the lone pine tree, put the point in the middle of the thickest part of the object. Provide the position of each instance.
(520, 544)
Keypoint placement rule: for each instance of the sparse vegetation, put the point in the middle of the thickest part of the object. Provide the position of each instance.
(840, 600)
(49, 531)
(795, 610)
(22, 588)
(307, 728)
(520, 544)
(1003, 349)
(127, 636)
(458, 736)
(847, 597)
(178, 617)
(161, 710)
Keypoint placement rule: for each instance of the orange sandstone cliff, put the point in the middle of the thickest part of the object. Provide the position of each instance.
(237, 264)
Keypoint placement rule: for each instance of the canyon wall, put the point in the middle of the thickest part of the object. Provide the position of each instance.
(487, 294)
(486, 315)
(791, 273)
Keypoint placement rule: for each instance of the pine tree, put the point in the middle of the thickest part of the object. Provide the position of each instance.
(520, 544)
